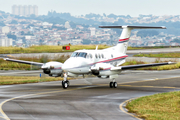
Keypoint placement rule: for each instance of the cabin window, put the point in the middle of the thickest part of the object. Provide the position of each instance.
(102, 56)
(90, 56)
(99, 56)
(96, 56)
(111, 55)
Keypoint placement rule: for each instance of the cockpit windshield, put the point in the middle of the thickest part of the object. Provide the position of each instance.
(79, 54)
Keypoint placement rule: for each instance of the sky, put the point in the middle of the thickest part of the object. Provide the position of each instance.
(82, 7)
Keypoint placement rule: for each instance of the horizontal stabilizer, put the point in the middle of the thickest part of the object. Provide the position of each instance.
(140, 66)
(134, 27)
(24, 62)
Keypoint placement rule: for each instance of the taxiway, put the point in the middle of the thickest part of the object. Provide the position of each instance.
(86, 99)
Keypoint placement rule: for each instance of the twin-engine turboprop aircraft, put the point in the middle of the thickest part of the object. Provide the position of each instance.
(104, 63)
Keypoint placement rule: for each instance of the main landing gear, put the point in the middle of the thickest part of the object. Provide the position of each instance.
(113, 84)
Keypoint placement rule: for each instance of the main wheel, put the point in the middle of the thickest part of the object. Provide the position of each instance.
(115, 84)
(111, 84)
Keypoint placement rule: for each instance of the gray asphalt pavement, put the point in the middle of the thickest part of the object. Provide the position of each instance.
(87, 99)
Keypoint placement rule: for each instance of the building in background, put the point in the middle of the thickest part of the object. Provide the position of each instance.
(5, 29)
(67, 25)
(6, 42)
(93, 31)
(25, 10)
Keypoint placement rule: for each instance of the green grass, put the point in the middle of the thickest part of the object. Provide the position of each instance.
(9, 80)
(47, 49)
(160, 55)
(57, 49)
(164, 106)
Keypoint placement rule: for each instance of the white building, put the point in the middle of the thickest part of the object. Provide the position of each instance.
(67, 25)
(25, 10)
(93, 31)
(5, 29)
(5, 42)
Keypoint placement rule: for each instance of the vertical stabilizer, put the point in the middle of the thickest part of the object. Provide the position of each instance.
(122, 45)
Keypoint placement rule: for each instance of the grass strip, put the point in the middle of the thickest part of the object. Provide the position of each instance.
(57, 49)
(162, 106)
(47, 49)
(9, 80)
(160, 55)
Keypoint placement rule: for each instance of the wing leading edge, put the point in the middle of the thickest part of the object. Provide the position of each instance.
(140, 66)
(24, 62)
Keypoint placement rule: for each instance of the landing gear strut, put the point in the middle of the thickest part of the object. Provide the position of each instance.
(113, 84)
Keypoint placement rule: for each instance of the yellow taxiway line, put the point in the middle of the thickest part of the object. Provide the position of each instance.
(122, 109)
(120, 106)
(7, 118)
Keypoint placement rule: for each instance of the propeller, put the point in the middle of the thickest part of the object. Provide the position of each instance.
(44, 60)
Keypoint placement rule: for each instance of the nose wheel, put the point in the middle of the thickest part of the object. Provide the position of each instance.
(65, 84)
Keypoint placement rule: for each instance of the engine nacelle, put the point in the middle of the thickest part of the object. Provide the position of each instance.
(56, 72)
(52, 68)
(100, 66)
(103, 76)
(47, 71)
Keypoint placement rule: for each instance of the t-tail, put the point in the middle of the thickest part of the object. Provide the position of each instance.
(125, 35)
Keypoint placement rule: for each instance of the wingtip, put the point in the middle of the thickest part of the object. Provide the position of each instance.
(171, 62)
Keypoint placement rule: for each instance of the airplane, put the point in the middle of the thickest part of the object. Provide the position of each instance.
(104, 63)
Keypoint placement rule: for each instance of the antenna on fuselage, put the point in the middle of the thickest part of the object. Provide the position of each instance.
(97, 47)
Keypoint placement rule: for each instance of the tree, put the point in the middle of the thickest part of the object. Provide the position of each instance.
(14, 22)
(145, 33)
(176, 40)
(9, 35)
(86, 42)
(2, 24)
(22, 32)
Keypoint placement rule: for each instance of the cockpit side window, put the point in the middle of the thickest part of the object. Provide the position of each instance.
(79, 54)
(74, 54)
(82, 54)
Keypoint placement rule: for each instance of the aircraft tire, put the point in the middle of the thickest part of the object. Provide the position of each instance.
(68, 82)
(115, 85)
(65, 84)
(111, 84)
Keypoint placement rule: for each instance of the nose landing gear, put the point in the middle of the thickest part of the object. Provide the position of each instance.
(65, 84)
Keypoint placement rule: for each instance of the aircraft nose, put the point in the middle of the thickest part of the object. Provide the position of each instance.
(70, 63)
(64, 66)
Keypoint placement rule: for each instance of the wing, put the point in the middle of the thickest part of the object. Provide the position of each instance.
(140, 66)
(24, 62)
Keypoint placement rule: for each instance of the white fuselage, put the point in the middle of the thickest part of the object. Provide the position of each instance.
(82, 61)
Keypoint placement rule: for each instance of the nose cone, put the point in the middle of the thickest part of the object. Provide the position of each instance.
(68, 64)
(44, 67)
(71, 64)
